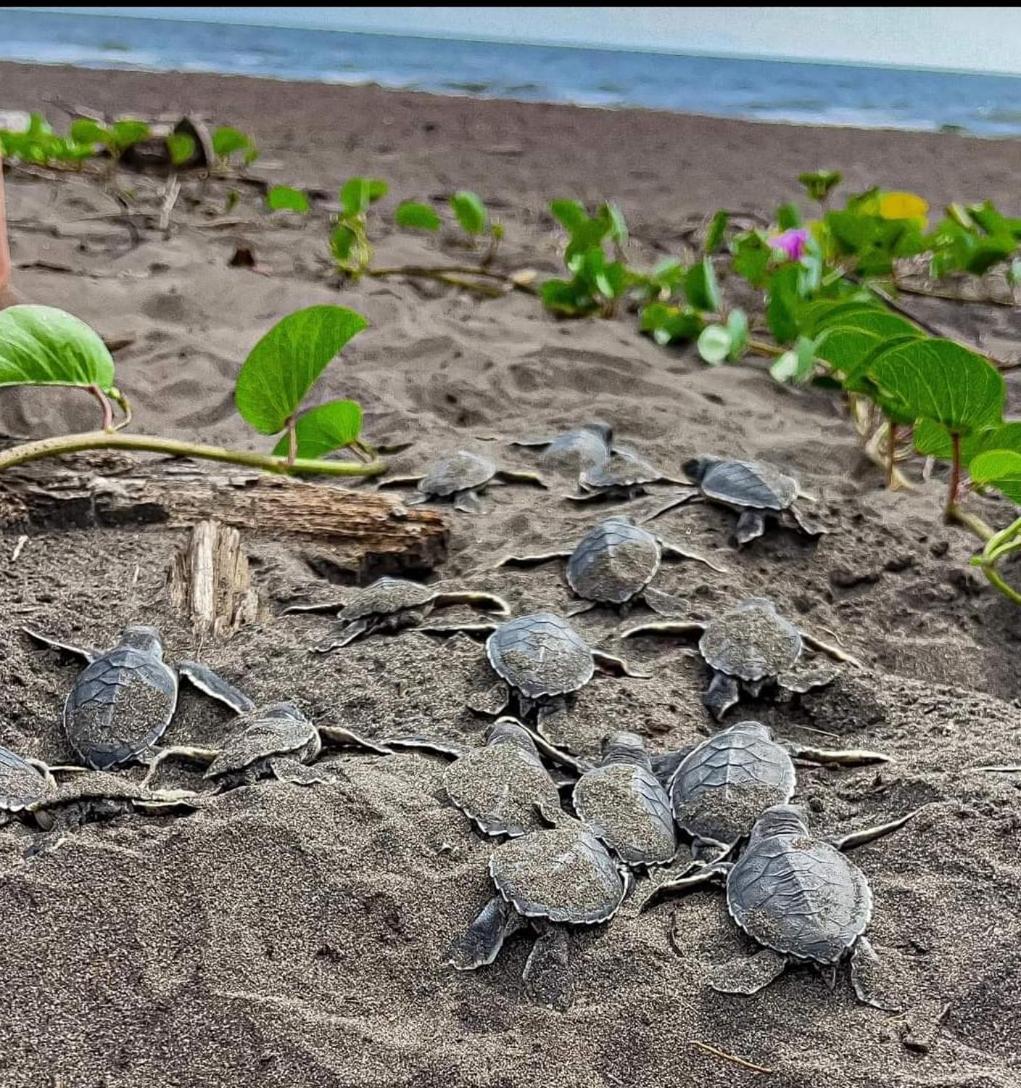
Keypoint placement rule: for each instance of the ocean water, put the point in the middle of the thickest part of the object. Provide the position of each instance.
(791, 91)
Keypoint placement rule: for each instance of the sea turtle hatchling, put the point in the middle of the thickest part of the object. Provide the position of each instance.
(550, 879)
(585, 447)
(624, 476)
(459, 476)
(24, 784)
(613, 564)
(502, 785)
(125, 697)
(390, 604)
(275, 740)
(625, 806)
(541, 659)
(801, 900)
(750, 647)
(756, 489)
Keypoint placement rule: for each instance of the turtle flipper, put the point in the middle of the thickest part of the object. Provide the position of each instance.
(617, 666)
(665, 764)
(750, 525)
(664, 604)
(546, 975)
(468, 502)
(675, 551)
(680, 498)
(748, 974)
(88, 653)
(865, 969)
(870, 834)
(214, 685)
(286, 769)
(348, 632)
(723, 692)
(843, 757)
(400, 481)
(667, 627)
(530, 442)
(337, 734)
(512, 476)
(486, 627)
(447, 749)
(325, 606)
(691, 877)
(482, 940)
(807, 674)
(829, 649)
(488, 602)
(809, 526)
(530, 560)
(183, 751)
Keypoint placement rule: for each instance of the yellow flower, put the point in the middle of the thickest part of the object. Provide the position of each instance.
(903, 206)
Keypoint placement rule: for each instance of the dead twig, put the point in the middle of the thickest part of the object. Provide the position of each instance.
(171, 192)
(19, 547)
(729, 1057)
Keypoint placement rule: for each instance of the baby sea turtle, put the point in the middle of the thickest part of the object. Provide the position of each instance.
(725, 783)
(275, 740)
(550, 879)
(587, 446)
(624, 805)
(624, 476)
(749, 647)
(755, 489)
(390, 604)
(123, 700)
(25, 784)
(801, 899)
(613, 564)
(501, 786)
(459, 476)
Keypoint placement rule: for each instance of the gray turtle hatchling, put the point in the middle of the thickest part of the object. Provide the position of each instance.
(724, 784)
(390, 604)
(756, 489)
(588, 446)
(750, 647)
(25, 784)
(613, 564)
(624, 476)
(276, 740)
(124, 699)
(459, 476)
(801, 900)
(550, 879)
(501, 786)
(624, 805)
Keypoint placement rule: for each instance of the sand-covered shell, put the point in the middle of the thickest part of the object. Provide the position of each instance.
(754, 484)
(540, 655)
(796, 894)
(279, 729)
(613, 562)
(21, 784)
(725, 784)
(459, 471)
(624, 469)
(580, 449)
(564, 874)
(752, 641)
(386, 596)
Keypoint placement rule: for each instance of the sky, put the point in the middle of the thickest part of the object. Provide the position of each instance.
(968, 39)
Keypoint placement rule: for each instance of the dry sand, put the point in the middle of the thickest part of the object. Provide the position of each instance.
(294, 936)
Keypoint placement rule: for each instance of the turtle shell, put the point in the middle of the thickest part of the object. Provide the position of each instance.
(752, 641)
(724, 785)
(624, 469)
(539, 655)
(120, 706)
(748, 483)
(613, 562)
(799, 896)
(625, 807)
(500, 785)
(279, 729)
(460, 471)
(21, 784)
(386, 596)
(574, 451)
(564, 874)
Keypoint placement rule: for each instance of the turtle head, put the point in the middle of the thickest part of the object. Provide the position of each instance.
(603, 430)
(751, 728)
(139, 637)
(508, 730)
(625, 748)
(695, 468)
(780, 820)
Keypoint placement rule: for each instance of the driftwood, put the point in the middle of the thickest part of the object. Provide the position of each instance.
(209, 582)
(360, 532)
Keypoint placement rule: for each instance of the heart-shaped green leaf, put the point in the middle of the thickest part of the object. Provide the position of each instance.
(227, 140)
(330, 426)
(357, 194)
(285, 364)
(415, 216)
(470, 212)
(942, 381)
(41, 345)
(181, 147)
(714, 344)
(701, 288)
(570, 214)
(284, 198)
(933, 440)
(1001, 469)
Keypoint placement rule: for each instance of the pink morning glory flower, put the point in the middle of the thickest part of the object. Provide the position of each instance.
(791, 243)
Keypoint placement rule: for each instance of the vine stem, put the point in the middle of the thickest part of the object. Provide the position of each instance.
(95, 440)
(104, 404)
(954, 486)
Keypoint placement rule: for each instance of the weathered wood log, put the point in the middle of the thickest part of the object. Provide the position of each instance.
(209, 583)
(367, 533)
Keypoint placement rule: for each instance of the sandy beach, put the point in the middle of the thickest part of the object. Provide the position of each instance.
(285, 936)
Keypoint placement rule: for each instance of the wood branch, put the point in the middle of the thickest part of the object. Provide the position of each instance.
(209, 582)
(367, 533)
